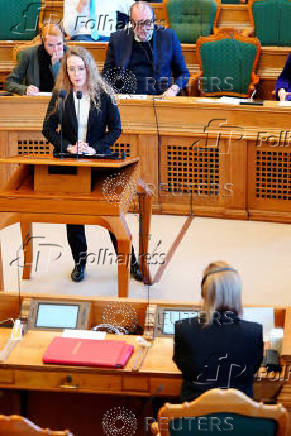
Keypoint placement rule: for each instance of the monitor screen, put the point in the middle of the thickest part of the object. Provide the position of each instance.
(61, 316)
(262, 315)
(171, 316)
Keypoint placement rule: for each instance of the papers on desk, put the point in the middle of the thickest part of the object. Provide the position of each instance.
(131, 97)
(44, 94)
(207, 100)
(285, 103)
(230, 100)
(84, 334)
(224, 100)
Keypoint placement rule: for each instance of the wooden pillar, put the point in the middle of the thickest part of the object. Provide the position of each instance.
(27, 240)
(145, 214)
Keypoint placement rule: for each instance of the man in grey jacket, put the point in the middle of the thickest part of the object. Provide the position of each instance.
(38, 66)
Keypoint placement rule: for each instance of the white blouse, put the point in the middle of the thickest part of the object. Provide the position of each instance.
(83, 117)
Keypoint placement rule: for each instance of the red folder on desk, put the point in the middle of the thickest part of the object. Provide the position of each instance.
(88, 352)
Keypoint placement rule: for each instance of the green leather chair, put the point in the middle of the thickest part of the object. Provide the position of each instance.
(271, 20)
(19, 19)
(221, 412)
(192, 18)
(228, 64)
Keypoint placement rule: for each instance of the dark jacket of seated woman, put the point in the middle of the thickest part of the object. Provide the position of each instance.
(218, 349)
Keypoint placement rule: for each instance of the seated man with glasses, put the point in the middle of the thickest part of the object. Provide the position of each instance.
(95, 20)
(147, 56)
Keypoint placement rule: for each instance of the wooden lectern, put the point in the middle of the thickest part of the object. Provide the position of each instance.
(77, 191)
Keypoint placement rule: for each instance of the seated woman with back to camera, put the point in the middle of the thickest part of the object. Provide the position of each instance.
(218, 349)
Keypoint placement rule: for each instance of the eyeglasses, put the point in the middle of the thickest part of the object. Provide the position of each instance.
(146, 23)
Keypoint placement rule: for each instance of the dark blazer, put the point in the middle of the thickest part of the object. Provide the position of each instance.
(168, 60)
(224, 354)
(284, 80)
(26, 72)
(99, 121)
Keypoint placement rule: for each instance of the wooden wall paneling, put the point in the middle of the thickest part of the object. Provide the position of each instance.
(235, 191)
(192, 175)
(53, 11)
(269, 187)
(4, 152)
(148, 150)
(29, 143)
(234, 16)
(128, 144)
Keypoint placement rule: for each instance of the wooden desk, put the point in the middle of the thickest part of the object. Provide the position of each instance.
(24, 369)
(48, 403)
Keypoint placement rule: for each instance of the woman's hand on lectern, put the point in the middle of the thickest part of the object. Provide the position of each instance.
(79, 148)
(90, 150)
(32, 90)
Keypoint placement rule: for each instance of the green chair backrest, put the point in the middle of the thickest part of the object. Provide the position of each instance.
(191, 18)
(222, 424)
(272, 20)
(19, 19)
(227, 65)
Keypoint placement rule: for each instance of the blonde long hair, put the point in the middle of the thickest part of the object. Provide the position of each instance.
(95, 84)
(221, 290)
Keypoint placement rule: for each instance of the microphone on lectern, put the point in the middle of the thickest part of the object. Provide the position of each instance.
(79, 96)
(62, 96)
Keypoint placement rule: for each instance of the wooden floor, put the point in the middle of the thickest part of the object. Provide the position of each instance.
(260, 251)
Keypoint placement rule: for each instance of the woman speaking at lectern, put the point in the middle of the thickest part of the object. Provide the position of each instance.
(81, 91)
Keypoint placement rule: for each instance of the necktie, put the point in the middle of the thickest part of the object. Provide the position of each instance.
(94, 32)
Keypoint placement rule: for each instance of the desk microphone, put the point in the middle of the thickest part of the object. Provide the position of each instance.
(62, 96)
(79, 96)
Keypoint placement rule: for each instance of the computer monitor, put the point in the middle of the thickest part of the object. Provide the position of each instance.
(262, 315)
(167, 316)
(54, 315)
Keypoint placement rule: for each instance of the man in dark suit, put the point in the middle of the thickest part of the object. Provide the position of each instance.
(151, 55)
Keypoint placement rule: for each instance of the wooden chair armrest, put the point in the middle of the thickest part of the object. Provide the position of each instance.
(155, 429)
(192, 88)
(248, 32)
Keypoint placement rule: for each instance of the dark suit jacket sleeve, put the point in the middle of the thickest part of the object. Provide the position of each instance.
(113, 124)
(109, 63)
(179, 69)
(50, 126)
(260, 348)
(181, 357)
(14, 82)
(284, 80)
